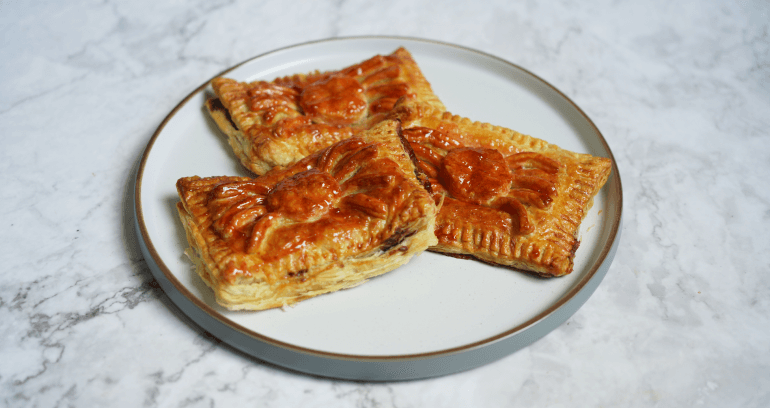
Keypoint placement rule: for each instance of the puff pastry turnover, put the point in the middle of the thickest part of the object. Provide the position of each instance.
(508, 198)
(334, 219)
(276, 123)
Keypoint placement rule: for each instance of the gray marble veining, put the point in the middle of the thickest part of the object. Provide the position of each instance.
(680, 90)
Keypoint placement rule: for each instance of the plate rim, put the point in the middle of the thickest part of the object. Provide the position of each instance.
(603, 258)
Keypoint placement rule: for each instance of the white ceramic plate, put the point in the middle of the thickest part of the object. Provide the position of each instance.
(433, 316)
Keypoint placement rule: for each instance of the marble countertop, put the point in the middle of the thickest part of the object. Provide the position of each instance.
(680, 90)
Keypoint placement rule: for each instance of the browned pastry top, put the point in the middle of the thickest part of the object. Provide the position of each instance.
(286, 119)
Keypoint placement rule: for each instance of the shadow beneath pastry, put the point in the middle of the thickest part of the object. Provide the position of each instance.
(524, 273)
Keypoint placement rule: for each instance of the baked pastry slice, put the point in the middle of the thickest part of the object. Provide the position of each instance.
(331, 221)
(276, 123)
(508, 198)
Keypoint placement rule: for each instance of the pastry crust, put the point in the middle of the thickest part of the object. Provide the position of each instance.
(277, 123)
(508, 199)
(331, 221)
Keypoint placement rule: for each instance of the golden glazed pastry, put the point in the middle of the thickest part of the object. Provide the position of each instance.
(331, 221)
(276, 123)
(508, 199)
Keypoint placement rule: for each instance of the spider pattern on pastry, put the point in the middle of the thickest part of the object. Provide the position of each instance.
(507, 198)
(334, 219)
(276, 123)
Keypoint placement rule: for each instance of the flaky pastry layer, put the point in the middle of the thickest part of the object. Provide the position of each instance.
(331, 221)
